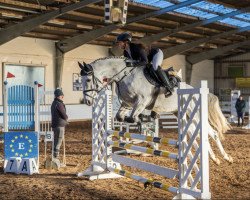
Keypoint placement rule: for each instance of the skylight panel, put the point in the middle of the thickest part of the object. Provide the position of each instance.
(235, 22)
(213, 7)
(195, 12)
(155, 3)
(212, 10)
(245, 16)
(163, 4)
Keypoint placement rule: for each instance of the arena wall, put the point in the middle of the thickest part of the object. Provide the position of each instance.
(31, 51)
(203, 71)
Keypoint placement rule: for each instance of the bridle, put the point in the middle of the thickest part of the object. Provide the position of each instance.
(95, 82)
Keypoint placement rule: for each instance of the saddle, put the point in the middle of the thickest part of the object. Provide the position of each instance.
(152, 77)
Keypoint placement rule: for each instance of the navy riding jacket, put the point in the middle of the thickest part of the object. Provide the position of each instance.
(240, 106)
(139, 53)
(58, 113)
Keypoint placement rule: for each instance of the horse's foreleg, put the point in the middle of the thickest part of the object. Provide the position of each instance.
(137, 109)
(216, 138)
(122, 112)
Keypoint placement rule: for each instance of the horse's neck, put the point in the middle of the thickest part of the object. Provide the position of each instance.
(108, 68)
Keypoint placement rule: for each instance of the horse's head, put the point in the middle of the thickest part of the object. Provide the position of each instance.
(101, 73)
(89, 83)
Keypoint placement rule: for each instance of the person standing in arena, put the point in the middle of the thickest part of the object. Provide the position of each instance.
(59, 121)
(240, 108)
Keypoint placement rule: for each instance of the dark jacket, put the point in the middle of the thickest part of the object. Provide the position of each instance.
(240, 106)
(139, 53)
(58, 113)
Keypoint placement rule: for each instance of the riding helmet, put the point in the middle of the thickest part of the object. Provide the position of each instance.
(124, 37)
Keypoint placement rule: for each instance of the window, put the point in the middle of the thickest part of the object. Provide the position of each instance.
(235, 72)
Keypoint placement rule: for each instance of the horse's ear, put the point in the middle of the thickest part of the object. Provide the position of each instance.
(81, 66)
(179, 73)
(88, 67)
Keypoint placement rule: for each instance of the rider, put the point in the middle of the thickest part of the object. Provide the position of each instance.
(138, 52)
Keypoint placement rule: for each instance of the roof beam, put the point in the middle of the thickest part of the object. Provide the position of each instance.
(74, 42)
(159, 36)
(232, 55)
(193, 59)
(16, 30)
(187, 46)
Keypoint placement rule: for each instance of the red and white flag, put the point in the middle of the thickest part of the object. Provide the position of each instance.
(10, 75)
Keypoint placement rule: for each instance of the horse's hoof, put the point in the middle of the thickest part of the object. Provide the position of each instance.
(129, 120)
(217, 161)
(230, 159)
(154, 115)
(119, 119)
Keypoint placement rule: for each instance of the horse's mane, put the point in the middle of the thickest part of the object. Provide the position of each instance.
(106, 58)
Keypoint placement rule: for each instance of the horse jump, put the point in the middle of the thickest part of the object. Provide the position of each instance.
(193, 131)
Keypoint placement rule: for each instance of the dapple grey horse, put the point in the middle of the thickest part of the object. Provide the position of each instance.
(138, 94)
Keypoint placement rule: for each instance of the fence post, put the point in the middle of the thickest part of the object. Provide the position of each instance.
(36, 107)
(204, 165)
(5, 107)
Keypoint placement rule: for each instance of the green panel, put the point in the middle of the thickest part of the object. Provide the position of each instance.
(235, 71)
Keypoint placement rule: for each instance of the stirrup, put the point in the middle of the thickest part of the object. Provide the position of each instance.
(169, 93)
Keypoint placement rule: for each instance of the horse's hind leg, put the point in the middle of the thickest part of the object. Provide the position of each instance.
(216, 138)
(212, 155)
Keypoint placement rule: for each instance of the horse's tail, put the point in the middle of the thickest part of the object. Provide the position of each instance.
(215, 116)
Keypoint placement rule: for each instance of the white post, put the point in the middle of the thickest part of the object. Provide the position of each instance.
(204, 165)
(5, 107)
(156, 132)
(108, 127)
(36, 107)
(193, 122)
(181, 124)
(36, 116)
(248, 126)
(107, 11)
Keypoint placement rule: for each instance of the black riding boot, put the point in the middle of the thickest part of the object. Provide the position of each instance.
(238, 122)
(164, 78)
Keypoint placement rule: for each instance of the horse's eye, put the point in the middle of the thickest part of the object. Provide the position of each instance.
(88, 80)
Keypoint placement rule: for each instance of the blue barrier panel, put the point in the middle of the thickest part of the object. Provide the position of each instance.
(21, 144)
(21, 108)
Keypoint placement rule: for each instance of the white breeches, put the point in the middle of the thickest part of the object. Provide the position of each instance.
(157, 59)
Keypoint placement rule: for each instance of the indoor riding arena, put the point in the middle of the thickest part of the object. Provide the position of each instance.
(125, 99)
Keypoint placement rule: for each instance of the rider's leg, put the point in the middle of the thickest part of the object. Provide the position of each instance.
(157, 59)
(164, 78)
(156, 62)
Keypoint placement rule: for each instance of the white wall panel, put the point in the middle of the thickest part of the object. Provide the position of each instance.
(29, 51)
(203, 71)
